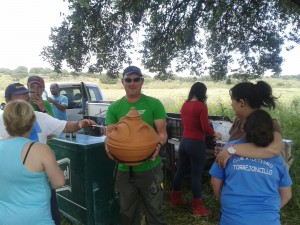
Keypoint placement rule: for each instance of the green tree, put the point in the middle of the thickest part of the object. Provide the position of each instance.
(19, 73)
(5, 71)
(48, 70)
(36, 70)
(99, 35)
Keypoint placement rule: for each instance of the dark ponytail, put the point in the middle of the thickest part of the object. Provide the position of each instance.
(264, 94)
(256, 95)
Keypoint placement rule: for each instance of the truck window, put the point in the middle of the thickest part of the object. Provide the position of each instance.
(74, 96)
(94, 93)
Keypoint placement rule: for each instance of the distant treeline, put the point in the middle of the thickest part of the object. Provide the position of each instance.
(23, 72)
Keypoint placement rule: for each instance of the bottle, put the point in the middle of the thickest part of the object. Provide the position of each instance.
(45, 95)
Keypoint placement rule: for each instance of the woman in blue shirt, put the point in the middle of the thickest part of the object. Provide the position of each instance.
(27, 170)
(252, 191)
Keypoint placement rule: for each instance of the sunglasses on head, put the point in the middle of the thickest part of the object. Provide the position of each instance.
(137, 79)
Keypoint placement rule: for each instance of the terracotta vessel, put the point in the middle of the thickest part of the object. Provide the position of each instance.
(132, 140)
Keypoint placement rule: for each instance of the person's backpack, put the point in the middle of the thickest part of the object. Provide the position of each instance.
(287, 155)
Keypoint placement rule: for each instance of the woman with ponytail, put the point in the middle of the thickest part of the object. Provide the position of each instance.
(246, 98)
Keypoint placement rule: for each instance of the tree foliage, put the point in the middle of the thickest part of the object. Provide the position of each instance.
(19, 73)
(40, 70)
(101, 34)
(5, 71)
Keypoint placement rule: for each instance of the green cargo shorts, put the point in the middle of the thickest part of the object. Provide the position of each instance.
(141, 189)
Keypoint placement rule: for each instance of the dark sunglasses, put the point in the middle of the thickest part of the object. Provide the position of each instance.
(137, 79)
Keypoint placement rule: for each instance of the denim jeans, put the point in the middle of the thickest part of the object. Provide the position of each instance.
(191, 156)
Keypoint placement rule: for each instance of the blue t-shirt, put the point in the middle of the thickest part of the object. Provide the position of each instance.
(62, 100)
(250, 192)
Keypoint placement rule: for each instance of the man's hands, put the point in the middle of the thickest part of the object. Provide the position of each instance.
(108, 153)
(74, 126)
(86, 123)
(37, 100)
(156, 152)
(50, 100)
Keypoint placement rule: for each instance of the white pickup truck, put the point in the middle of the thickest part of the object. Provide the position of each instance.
(78, 93)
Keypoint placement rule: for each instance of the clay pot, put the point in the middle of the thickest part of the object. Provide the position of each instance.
(132, 141)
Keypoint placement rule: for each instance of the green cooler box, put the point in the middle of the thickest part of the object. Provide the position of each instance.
(88, 195)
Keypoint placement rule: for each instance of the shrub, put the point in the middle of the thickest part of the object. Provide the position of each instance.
(104, 79)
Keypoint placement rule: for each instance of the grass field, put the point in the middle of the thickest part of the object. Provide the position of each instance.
(288, 113)
(173, 94)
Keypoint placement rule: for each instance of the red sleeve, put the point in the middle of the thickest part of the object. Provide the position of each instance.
(204, 121)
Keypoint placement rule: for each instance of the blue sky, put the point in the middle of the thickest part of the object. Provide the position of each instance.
(25, 28)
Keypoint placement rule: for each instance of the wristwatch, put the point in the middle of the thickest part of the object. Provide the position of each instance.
(231, 150)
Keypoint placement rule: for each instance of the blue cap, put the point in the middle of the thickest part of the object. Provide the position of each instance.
(15, 89)
(132, 70)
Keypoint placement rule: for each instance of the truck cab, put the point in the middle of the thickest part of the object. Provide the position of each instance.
(78, 94)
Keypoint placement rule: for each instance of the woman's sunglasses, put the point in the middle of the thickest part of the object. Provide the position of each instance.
(137, 79)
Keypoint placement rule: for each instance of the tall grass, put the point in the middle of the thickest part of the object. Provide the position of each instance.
(288, 113)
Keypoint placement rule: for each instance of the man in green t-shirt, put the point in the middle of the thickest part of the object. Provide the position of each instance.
(36, 85)
(141, 183)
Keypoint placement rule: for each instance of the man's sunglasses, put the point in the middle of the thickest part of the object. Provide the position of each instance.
(137, 79)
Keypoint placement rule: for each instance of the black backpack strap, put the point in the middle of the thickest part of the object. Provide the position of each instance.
(27, 152)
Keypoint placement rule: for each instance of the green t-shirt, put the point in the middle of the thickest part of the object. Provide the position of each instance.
(47, 106)
(149, 108)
